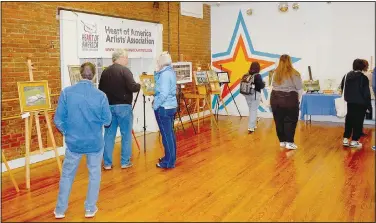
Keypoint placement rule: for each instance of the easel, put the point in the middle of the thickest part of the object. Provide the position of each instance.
(134, 136)
(10, 172)
(202, 94)
(232, 96)
(28, 129)
(215, 89)
(180, 95)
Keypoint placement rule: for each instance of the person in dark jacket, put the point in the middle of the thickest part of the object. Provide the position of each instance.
(253, 100)
(374, 89)
(358, 98)
(118, 84)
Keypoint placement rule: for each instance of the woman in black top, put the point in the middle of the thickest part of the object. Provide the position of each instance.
(358, 98)
(253, 100)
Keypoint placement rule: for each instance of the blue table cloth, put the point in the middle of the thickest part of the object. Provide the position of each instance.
(318, 104)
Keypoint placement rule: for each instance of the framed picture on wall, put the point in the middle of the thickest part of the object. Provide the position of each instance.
(34, 96)
(183, 72)
(223, 77)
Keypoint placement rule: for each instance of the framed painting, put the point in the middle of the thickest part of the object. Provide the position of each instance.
(147, 84)
(201, 78)
(74, 74)
(34, 96)
(213, 77)
(223, 77)
(183, 72)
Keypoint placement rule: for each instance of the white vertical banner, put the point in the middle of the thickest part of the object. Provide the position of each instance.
(89, 34)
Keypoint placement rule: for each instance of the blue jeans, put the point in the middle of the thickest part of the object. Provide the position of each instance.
(70, 165)
(165, 120)
(121, 116)
(253, 104)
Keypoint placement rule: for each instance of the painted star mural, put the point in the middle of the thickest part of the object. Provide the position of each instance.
(237, 59)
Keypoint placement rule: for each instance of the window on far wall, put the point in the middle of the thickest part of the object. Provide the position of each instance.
(193, 9)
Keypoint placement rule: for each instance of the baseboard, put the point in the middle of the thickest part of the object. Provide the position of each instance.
(20, 162)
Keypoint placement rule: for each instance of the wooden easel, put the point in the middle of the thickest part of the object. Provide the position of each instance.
(9, 171)
(202, 94)
(28, 129)
(215, 89)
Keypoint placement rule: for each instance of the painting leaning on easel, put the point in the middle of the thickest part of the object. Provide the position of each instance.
(34, 96)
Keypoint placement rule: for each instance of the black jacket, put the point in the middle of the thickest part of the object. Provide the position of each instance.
(259, 84)
(357, 89)
(118, 84)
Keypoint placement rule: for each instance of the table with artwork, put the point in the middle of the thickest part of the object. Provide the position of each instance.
(318, 104)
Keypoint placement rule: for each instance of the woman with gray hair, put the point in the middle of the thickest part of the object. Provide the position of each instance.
(164, 106)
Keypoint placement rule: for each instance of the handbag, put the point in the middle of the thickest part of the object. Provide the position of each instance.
(340, 103)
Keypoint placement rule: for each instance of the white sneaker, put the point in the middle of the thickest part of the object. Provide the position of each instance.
(290, 145)
(90, 214)
(58, 215)
(107, 167)
(345, 142)
(125, 166)
(356, 144)
(251, 130)
(282, 144)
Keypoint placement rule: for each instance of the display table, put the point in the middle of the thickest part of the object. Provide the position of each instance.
(318, 104)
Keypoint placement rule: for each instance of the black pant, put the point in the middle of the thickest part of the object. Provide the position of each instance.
(285, 108)
(354, 121)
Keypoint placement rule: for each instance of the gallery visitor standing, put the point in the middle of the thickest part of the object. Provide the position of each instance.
(252, 95)
(358, 98)
(164, 106)
(81, 113)
(118, 84)
(284, 100)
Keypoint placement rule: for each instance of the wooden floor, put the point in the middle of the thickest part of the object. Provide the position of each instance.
(221, 175)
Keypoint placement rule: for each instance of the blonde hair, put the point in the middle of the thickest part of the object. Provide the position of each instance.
(119, 53)
(285, 70)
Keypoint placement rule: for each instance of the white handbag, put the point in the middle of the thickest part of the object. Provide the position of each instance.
(340, 103)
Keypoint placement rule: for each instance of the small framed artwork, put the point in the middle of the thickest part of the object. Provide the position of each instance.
(74, 73)
(201, 78)
(213, 77)
(147, 84)
(34, 96)
(183, 72)
(223, 77)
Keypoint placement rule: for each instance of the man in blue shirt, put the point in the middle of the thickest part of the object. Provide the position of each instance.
(81, 113)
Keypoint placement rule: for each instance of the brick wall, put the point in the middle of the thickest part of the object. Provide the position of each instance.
(32, 27)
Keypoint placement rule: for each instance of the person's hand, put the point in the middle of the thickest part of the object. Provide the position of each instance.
(368, 111)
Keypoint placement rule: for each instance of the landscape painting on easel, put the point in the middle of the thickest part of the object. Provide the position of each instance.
(201, 78)
(147, 84)
(183, 72)
(34, 96)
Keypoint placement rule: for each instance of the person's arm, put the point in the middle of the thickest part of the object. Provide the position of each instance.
(258, 82)
(298, 85)
(374, 80)
(164, 88)
(61, 113)
(129, 81)
(106, 112)
(342, 82)
(365, 90)
(101, 85)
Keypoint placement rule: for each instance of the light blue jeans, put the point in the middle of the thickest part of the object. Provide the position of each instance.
(253, 104)
(70, 165)
(122, 116)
